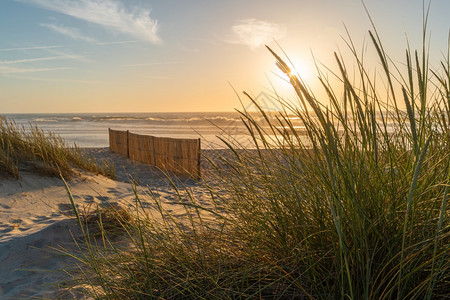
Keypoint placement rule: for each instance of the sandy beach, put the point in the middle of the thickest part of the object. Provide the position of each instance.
(36, 215)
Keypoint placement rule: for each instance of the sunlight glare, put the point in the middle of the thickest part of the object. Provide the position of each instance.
(300, 69)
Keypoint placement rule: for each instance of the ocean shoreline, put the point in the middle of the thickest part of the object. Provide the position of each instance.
(91, 129)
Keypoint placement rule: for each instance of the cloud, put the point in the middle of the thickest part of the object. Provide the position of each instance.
(152, 64)
(111, 14)
(96, 82)
(27, 60)
(13, 70)
(68, 56)
(118, 42)
(256, 33)
(31, 48)
(71, 32)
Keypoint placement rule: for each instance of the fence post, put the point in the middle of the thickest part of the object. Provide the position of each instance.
(154, 150)
(198, 160)
(128, 144)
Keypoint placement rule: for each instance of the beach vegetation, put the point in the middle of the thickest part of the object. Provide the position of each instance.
(32, 149)
(358, 210)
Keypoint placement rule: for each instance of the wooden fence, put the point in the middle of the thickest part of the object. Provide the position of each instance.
(181, 156)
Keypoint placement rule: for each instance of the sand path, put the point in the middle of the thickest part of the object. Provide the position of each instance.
(35, 214)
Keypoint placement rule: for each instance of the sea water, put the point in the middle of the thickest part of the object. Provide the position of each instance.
(91, 129)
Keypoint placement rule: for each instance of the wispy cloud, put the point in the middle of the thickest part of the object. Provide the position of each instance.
(71, 32)
(118, 42)
(49, 79)
(108, 13)
(152, 64)
(28, 60)
(30, 48)
(255, 33)
(13, 70)
(69, 56)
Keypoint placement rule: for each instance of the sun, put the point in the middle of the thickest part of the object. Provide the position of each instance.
(299, 68)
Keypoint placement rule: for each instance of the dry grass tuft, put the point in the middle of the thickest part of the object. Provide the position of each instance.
(355, 206)
(32, 149)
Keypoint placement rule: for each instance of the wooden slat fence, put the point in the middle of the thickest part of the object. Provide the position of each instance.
(118, 141)
(181, 156)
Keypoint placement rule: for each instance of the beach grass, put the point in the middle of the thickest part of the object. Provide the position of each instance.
(358, 210)
(32, 149)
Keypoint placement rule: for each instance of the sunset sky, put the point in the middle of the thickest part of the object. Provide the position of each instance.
(178, 55)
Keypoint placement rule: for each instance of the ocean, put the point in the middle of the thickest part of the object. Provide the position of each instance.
(91, 130)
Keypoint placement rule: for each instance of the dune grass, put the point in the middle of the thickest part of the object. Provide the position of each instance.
(359, 211)
(32, 149)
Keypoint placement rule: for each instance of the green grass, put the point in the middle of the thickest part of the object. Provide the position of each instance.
(32, 149)
(359, 211)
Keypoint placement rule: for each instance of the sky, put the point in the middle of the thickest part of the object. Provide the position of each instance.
(63, 56)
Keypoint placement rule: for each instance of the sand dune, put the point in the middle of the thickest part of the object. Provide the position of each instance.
(35, 214)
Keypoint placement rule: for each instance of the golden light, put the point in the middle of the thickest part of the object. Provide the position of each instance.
(300, 69)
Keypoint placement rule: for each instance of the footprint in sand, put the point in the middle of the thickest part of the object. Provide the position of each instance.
(102, 198)
(5, 206)
(15, 223)
(5, 228)
(40, 218)
(19, 224)
(66, 209)
(45, 219)
(24, 228)
(146, 204)
(114, 191)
